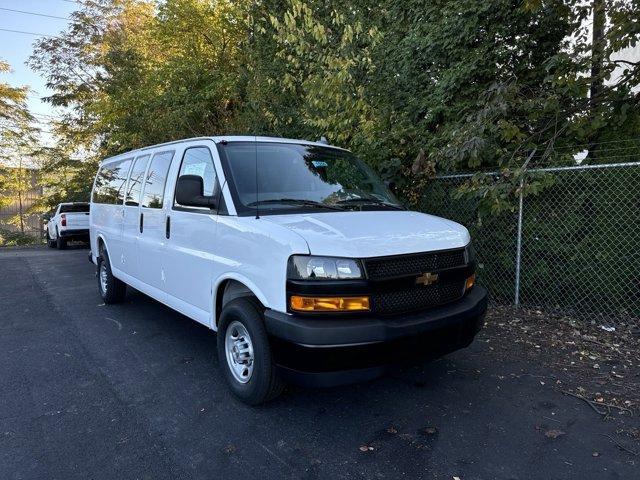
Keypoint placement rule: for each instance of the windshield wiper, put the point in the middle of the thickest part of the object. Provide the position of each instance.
(295, 201)
(369, 201)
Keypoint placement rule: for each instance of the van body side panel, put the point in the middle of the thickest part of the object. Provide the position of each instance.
(106, 221)
(188, 255)
(257, 250)
(188, 261)
(153, 292)
(151, 242)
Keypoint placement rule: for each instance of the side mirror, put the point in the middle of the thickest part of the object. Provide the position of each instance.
(190, 192)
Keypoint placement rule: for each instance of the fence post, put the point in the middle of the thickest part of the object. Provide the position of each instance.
(516, 300)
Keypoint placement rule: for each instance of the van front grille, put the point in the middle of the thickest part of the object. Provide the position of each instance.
(382, 268)
(417, 298)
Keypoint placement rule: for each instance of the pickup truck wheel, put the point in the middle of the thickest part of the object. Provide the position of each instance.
(61, 243)
(111, 289)
(244, 353)
(50, 243)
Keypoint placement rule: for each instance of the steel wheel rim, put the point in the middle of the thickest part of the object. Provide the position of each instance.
(239, 352)
(103, 277)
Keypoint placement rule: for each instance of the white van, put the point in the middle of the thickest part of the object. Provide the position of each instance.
(295, 252)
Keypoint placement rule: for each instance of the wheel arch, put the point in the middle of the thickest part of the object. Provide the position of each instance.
(101, 242)
(230, 287)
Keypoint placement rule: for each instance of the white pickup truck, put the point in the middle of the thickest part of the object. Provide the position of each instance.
(70, 221)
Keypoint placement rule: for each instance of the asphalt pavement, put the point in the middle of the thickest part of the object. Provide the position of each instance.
(134, 391)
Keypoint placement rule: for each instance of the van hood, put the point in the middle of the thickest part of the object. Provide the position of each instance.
(373, 233)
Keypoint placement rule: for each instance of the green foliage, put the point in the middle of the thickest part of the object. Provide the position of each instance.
(414, 87)
(14, 239)
(18, 144)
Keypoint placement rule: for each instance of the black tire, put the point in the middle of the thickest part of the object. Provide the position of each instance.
(264, 383)
(114, 290)
(50, 243)
(61, 243)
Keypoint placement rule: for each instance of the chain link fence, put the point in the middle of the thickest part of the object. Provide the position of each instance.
(573, 249)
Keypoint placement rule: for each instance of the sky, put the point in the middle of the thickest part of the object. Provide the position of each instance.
(15, 48)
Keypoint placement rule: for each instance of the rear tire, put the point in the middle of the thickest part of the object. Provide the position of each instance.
(253, 378)
(111, 289)
(50, 243)
(61, 243)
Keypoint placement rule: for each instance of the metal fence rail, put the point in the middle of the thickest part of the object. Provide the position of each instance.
(572, 249)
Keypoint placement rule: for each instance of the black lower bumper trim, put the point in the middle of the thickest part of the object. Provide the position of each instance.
(369, 360)
(84, 233)
(329, 352)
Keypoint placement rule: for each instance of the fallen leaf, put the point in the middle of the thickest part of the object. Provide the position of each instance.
(553, 433)
(428, 431)
(392, 430)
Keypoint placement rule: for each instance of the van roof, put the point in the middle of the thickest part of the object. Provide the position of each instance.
(221, 138)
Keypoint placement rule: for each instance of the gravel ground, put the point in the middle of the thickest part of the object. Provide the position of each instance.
(134, 391)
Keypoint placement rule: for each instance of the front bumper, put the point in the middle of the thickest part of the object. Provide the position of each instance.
(330, 351)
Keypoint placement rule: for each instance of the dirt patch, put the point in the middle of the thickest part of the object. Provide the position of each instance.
(592, 362)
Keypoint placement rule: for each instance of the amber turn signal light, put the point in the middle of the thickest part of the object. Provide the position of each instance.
(329, 304)
(471, 281)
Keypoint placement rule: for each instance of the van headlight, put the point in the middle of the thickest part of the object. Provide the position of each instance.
(308, 267)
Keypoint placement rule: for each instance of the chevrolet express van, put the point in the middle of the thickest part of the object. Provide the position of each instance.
(303, 261)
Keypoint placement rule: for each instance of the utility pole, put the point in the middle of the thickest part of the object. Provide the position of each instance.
(597, 51)
(597, 61)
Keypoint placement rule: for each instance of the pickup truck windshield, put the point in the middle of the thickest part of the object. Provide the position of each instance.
(301, 177)
(75, 208)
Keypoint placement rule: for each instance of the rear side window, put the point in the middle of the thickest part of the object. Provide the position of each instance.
(134, 190)
(110, 182)
(77, 208)
(156, 179)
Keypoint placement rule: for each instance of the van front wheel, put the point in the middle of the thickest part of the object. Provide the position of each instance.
(244, 353)
(111, 289)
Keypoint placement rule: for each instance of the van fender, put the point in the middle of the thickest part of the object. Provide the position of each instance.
(240, 279)
(99, 237)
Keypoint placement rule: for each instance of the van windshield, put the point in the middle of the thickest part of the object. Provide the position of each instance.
(301, 177)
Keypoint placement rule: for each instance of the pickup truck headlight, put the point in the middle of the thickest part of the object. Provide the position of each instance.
(306, 267)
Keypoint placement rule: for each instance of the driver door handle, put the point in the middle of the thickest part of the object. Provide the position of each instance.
(168, 227)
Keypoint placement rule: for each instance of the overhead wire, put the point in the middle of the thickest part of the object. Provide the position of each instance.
(28, 33)
(37, 14)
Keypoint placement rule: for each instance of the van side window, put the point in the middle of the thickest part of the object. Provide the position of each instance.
(134, 190)
(110, 182)
(156, 179)
(198, 161)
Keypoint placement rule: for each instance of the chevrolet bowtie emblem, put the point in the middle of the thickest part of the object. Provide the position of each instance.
(427, 278)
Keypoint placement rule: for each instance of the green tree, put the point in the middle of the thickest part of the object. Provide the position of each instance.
(17, 145)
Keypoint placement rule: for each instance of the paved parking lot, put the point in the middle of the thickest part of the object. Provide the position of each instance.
(134, 391)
